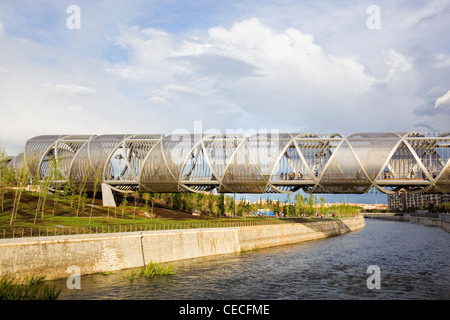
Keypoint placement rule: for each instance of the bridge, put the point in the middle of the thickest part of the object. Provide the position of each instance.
(234, 163)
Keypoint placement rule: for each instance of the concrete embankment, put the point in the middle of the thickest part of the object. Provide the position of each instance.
(52, 256)
(441, 220)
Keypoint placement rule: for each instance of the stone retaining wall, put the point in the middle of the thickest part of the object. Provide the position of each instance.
(52, 256)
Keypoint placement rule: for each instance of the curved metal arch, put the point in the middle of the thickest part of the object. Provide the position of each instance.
(92, 158)
(255, 162)
(207, 157)
(148, 163)
(139, 138)
(277, 162)
(360, 165)
(66, 139)
(161, 146)
(195, 143)
(110, 152)
(302, 157)
(17, 162)
(333, 155)
(416, 157)
(229, 165)
(223, 140)
(135, 138)
(39, 146)
(44, 145)
(388, 158)
(280, 190)
(198, 145)
(149, 153)
(261, 155)
(77, 155)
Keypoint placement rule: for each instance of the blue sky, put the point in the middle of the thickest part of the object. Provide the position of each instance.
(162, 66)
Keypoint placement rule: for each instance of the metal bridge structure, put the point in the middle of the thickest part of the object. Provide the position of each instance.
(234, 163)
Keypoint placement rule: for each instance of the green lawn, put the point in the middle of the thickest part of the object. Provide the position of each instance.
(60, 213)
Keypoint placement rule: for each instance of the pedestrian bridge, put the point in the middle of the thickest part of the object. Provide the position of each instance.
(260, 163)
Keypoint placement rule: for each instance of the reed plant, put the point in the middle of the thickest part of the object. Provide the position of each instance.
(31, 288)
(20, 177)
(4, 177)
(81, 186)
(97, 184)
(156, 269)
(151, 270)
(124, 203)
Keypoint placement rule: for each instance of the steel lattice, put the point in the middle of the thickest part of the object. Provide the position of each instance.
(260, 163)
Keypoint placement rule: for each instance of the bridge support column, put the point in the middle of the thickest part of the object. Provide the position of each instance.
(107, 196)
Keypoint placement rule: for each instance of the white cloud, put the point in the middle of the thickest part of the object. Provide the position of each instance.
(312, 67)
(68, 89)
(443, 101)
(44, 94)
(443, 60)
(396, 62)
(248, 67)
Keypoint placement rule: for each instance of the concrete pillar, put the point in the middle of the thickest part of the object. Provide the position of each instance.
(107, 196)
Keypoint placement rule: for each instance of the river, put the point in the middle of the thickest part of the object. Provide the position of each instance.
(413, 262)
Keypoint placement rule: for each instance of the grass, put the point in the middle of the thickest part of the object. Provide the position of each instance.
(59, 212)
(255, 248)
(151, 270)
(106, 273)
(59, 217)
(31, 288)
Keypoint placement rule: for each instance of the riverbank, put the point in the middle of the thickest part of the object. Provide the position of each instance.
(441, 220)
(53, 257)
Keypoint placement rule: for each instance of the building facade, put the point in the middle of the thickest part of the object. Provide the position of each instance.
(403, 200)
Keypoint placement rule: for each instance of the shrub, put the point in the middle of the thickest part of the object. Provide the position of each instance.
(29, 289)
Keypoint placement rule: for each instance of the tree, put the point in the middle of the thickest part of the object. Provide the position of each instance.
(83, 201)
(124, 203)
(199, 201)
(187, 202)
(221, 205)
(21, 176)
(300, 203)
(311, 205)
(135, 198)
(69, 191)
(57, 175)
(323, 208)
(210, 204)
(176, 201)
(285, 210)
(269, 204)
(146, 196)
(4, 177)
(97, 182)
(277, 207)
(82, 186)
(229, 205)
(47, 178)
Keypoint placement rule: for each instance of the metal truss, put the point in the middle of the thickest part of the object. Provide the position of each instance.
(260, 163)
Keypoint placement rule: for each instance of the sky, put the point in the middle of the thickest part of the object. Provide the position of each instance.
(99, 67)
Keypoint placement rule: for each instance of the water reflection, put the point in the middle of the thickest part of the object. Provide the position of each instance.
(414, 261)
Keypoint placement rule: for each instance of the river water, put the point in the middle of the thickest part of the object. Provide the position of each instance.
(413, 262)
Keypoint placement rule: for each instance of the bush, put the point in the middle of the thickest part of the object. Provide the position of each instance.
(29, 289)
(151, 270)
